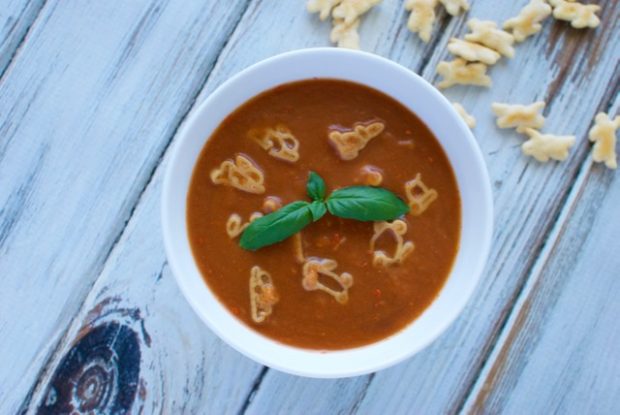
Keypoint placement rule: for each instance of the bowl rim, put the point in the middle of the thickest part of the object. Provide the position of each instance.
(167, 203)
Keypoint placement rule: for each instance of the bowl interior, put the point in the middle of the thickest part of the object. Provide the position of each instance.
(456, 140)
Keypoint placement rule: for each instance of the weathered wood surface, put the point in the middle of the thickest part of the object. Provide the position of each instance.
(563, 334)
(528, 196)
(181, 366)
(88, 105)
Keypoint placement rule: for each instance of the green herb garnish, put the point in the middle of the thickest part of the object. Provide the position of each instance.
(315, 187)
(363, 203)
(366, 203)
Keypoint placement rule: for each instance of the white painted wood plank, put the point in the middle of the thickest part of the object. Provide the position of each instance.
(88, 106)
(16, 16)
(558, 352)
(285, 394)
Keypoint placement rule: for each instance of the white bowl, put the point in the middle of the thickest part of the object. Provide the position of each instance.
(455, 138)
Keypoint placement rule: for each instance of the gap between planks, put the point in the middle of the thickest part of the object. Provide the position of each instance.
(550, 238)
(22, 40)
(476, 391)
(253, 390)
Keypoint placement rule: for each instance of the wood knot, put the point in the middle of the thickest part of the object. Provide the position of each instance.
(99, 374)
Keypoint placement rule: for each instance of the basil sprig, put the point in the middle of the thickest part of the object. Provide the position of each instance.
(363, 203)
(277, 226)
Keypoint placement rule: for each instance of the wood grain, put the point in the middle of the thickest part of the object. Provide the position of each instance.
(88, 106)
(558, 353)
(16, 17)
(122, 285)
(182, 367)
(527, 197)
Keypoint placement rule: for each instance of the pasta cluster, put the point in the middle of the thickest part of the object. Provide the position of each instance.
(346, 16)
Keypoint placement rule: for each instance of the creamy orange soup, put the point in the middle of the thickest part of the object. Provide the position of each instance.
(382, 298)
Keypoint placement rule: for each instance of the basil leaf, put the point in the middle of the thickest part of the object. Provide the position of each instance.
(315, 187)
(276, 226)
(366, 203)
(317, 209)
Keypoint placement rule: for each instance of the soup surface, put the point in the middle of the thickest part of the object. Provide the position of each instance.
(383, 298)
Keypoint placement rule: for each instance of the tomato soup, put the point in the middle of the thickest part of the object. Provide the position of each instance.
(338, 283)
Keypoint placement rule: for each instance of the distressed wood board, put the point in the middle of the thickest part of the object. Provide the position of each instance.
(109, 280)
(562, 335)
(89, 102)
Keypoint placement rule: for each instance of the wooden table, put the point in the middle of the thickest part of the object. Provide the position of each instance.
(92, 94)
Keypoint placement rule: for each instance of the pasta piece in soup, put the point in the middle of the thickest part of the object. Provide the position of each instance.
(419, 195)
(314, 268)
(348, 144)
(241, 174)
(371, 176)
(298, 246)
(278, 141)
(263, 294)
(271, 204)
(235, 225)
(397, 229)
